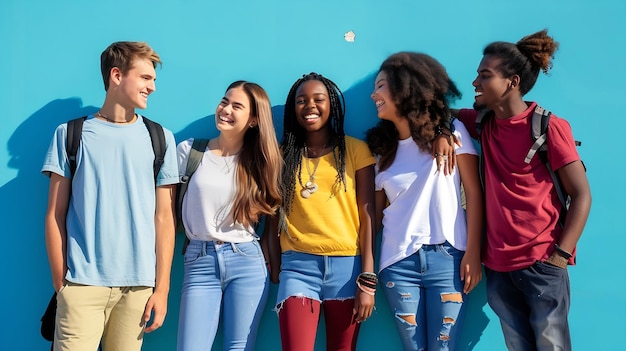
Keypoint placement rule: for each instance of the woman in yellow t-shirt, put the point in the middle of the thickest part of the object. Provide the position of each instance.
(321, 243)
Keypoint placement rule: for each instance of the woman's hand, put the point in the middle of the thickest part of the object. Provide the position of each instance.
(471, 271)
(363, 306)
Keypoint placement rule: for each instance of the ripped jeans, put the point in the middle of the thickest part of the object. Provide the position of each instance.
(425, 293)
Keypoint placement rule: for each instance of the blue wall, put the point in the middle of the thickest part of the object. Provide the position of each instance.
(49, 72)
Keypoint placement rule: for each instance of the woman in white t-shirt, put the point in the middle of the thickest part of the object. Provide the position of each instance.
(430, 251)
(235, 184)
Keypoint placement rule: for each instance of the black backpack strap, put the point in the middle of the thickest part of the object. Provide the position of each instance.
(193, 161)
(157, 136)
(481, 118)
(74, 133)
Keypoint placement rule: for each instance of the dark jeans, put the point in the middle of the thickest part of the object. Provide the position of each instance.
(532, 305)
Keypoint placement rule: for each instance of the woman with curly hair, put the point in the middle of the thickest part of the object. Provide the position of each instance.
(527, 250)
(430, 251)
(323, 254)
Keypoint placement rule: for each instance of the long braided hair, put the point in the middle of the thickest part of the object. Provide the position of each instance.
(293, 141)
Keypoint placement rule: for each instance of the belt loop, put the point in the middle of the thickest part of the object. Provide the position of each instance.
(204, 248)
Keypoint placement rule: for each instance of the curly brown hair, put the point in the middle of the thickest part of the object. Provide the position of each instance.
(422, 92)
(525, 58)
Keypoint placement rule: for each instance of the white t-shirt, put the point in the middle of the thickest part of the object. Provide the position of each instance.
(424, 205)
(207, 205)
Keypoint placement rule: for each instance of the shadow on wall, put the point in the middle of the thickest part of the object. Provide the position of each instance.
(22, 216)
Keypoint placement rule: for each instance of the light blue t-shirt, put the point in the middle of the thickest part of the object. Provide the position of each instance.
(110, 219)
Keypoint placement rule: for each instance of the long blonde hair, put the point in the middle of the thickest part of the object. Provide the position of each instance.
(260, 163)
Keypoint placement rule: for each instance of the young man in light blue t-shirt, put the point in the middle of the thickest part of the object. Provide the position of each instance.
(109, 233)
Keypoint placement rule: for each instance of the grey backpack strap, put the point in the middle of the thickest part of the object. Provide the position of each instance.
(193, 161)
(539, 128)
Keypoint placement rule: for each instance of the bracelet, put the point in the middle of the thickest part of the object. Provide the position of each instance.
(366, 290)
(562, 252)
(367, 284)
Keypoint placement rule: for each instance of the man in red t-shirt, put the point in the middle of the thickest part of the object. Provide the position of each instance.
(527, 251)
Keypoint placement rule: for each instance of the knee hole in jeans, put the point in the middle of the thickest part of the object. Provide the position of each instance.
(452, 297)
(407, 318)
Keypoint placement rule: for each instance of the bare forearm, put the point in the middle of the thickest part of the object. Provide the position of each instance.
(575, 183)
(165, 231)
(56, 249)
(55, 228)
(575, 221)
(164, 253)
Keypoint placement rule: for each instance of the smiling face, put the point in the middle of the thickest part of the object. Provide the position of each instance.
(136, 84)
(491, 87)
(381, 96)
(312, 105)
(232, 115)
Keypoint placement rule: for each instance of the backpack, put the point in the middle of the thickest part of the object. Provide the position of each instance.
(539, 128)
(193, 161)
(157, 136)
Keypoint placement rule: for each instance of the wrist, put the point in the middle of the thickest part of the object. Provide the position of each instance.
(562, 252)
(557, 260)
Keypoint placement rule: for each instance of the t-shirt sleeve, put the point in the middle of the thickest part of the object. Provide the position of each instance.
(468, 117)
(169, 170)
(561, 145)
(182, 151)
(362, 155)
(56, 160)
(461, 133)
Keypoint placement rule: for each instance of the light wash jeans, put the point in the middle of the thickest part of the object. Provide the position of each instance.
(427, 286)
(229, 275)
(532, 305)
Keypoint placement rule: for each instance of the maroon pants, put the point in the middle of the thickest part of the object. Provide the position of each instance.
(300, 316)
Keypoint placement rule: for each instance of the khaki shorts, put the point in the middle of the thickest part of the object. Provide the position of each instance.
(90, 315)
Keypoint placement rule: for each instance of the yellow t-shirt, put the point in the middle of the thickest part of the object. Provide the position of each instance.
(325, 223)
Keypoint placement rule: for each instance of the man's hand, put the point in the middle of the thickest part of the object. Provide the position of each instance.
(157, 309)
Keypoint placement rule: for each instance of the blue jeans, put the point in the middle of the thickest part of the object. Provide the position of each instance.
(425, 293)
(228, 275)
(532, 305)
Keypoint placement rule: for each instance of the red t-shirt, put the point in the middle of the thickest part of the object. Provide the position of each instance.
(522, 207)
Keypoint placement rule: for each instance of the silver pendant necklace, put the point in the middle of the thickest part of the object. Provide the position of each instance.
(309, 188)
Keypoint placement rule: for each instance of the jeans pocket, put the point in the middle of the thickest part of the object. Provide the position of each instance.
(450, 251)
(546, 268)
(248, 249)
(193, 253)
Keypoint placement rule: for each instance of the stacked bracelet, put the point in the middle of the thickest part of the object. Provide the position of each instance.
(367, 281)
